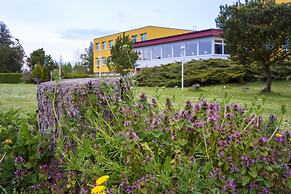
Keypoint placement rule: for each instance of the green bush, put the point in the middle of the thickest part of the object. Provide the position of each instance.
(74, 75)
(24, 154)
(202, 72)
(10, 78)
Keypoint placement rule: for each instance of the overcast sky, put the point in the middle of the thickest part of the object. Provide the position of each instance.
(65, 27)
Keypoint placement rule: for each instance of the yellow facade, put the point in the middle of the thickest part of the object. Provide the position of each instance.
(102, 44)
(283, 1)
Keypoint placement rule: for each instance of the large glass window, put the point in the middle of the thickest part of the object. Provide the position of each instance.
(104, 45)
(134, 38)
(179, 50)
(146, 54)
(157, 52)
(98, 46)
(144, 37)
(191, 48)
(167, 51)
(205, 47)
(218, 47)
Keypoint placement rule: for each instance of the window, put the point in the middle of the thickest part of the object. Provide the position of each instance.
(179, 50)
(191, 48)
(205, 47)
(146, 54)
(167, 51)
(139, 53)
(97, 62)
(134, 38)
(218, 47)
(97, 46)
(144, 37)
(104, 45)
(104, 61)
(157, 52)
(110, 43)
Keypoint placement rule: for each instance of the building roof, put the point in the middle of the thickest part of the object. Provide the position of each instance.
(144, 27)
(180, 37)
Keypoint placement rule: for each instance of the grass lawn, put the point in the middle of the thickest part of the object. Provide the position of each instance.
(24, 95)
(243, 94)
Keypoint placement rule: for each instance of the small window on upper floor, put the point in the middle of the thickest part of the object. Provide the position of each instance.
(134, 38)
(104, 45)
(97, 46)
(110, 43)
(144, 37)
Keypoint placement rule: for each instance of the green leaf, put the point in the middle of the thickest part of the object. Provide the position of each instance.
(243, 170)
(267, 183)
(245, 180)
(253, 173)
(289, 183)
(157, 133)
(182, 142)
(220, 163)
(269, 168)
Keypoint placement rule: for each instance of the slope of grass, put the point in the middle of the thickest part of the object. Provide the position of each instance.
(18, 96)
(24, 95)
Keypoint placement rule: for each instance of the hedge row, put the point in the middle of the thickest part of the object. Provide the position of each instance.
(10, 78)
(202, 72)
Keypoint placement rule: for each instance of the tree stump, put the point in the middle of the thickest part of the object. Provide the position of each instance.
(66, 98)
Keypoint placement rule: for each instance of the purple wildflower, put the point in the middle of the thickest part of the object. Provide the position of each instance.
(229, 185)
(222, 143)
(272, 118)
(198, 124)
(246, 160)
(253, 186)
(197, 107)
(19, 159)
(235, 135)
(18, 173)
(220, 154)
(280, 138)
(127, 123)
(229, 116)
(265, 190)
(233, 168)
(263, 140)
(43, 167)
(132, 135)
(215, 172)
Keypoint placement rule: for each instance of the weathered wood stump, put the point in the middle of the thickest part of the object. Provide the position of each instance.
(66, 98)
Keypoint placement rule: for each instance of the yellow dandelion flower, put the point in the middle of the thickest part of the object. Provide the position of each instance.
(8, 141)
(102, 180)
(98, 190)
(279, 135)
(290, 139)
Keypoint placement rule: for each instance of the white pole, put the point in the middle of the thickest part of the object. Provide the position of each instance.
(100, 66)
(182, 86)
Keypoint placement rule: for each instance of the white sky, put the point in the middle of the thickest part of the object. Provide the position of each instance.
(66, 27)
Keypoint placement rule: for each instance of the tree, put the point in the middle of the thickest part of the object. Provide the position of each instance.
(257, 31)
(5, 36)
(45, 63)
(11, 52)
(89, 57)
(123, 56)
